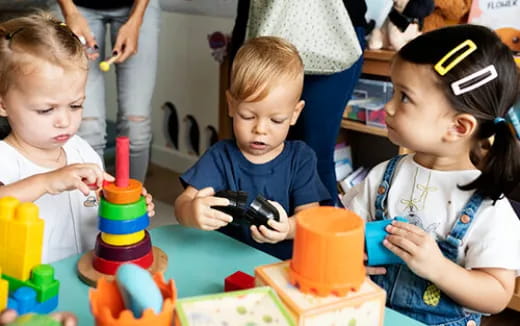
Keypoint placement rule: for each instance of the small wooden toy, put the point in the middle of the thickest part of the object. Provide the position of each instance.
(365, 306)
(377, 253)
(239, 281)
(123, 218)
(138, 289)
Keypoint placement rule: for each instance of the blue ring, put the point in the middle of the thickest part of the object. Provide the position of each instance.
(123, 226)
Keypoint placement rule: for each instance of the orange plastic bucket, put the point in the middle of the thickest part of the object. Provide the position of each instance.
(328, 251)
(108, 308)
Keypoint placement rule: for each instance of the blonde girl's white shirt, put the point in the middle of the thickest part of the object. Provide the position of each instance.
(70, 224)
(432, 200)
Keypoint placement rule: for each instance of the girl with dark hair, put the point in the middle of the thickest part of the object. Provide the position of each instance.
(452, 90)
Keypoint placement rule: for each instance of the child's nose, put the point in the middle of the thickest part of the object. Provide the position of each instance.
(389, 108)
(260, 127)
(62, 120)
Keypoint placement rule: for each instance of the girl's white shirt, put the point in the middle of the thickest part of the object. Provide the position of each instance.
(432, 200)
(70, 217)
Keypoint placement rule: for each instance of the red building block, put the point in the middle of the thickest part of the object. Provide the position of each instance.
(239, 281)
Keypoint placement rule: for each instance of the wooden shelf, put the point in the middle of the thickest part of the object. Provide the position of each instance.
(361, 127)
(377, 62)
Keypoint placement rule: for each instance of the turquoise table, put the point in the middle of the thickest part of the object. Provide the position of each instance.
(198, 261)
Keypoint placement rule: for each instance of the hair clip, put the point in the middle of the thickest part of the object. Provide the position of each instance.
(474, 80)
(62, 24)
(471, 47)
(9, 36)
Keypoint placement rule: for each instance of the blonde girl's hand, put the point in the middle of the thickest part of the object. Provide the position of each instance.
(150, 206)
(82, 176)
(417, 249)
(203, 216)
(279, 231)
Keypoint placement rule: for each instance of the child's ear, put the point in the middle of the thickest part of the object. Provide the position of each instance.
(230, 104)
(463, 125)
(297, 110)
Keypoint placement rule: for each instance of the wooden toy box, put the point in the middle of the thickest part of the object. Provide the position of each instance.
(362, 308)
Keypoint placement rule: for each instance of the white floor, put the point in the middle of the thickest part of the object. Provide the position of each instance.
(163, 214)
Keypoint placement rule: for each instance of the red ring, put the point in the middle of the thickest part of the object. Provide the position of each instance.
(110, 266)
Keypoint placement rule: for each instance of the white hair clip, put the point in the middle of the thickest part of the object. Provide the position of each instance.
(475, 80)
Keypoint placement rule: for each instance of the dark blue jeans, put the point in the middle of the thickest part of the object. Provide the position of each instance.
(325, 99)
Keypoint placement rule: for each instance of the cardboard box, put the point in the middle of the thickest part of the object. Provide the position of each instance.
(362, 308)
(257, 306)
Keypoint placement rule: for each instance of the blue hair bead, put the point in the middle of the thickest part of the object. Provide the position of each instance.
(499, 120)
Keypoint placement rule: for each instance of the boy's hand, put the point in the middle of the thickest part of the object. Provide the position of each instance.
(279, 232)
(150, 206)
(203, 216)
(75, 176)
(417, 249)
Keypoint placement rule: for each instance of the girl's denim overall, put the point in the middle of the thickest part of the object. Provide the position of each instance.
(416, 297)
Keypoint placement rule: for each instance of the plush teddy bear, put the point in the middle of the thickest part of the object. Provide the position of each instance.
(447, 12)
(404, 23)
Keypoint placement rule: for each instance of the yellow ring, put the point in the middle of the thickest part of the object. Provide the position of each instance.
(122, 239)
(443, 70)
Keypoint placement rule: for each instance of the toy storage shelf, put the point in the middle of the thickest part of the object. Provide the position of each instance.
(376, 62)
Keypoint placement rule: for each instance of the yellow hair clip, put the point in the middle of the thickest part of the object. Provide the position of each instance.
(441, 70)
(62, 24)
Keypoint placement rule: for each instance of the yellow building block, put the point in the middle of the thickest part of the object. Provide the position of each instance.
(22, 237)
(364, 307)
(4, 292)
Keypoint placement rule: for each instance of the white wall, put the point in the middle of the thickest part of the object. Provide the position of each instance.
(187, 76)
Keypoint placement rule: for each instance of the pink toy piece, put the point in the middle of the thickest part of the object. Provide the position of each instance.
(122, 161)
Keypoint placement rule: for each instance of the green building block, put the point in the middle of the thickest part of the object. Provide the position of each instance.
(42, 281)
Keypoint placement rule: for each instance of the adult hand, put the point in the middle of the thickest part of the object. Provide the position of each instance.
(79, 26)
(127, 40)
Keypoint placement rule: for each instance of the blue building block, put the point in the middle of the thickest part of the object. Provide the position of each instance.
(377, 253)
(123, 226)
(138, 289)
(23, 300)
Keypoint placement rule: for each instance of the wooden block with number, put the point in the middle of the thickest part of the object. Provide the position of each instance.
(363, 307)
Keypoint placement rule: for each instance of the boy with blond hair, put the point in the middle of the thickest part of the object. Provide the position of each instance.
(264, 101)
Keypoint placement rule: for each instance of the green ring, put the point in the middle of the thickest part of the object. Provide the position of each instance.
(119, 212)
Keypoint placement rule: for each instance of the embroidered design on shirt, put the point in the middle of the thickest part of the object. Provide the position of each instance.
(432, 295)
(416, 204)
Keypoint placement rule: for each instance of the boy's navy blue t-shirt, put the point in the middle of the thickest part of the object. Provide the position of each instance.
(291, 179)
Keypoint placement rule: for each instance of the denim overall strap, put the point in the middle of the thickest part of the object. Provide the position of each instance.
(451, 244)
(384, 187)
